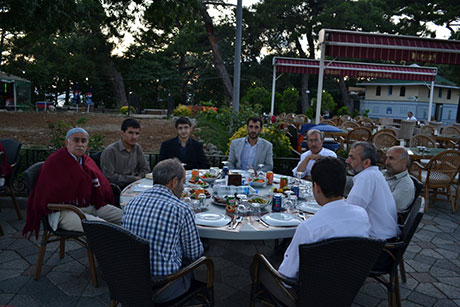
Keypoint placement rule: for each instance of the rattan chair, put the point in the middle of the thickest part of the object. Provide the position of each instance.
(59, 235)
(358, 134)
(367, 122)
(407, 129)
(124, 260)
(12, 150)
(327, 122)
(426, 130)
(384, 140)
(385, 130)
(422, 140)
(337, 121)
(450, 131)
(331, 272)
(396, 252)
(349, 124)
(441, 175)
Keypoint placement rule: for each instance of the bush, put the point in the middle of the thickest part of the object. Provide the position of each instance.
(327, 104)
(124, 110)
(60, 128)
(343, 111)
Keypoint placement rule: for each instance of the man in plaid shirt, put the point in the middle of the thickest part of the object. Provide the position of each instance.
(159, 216)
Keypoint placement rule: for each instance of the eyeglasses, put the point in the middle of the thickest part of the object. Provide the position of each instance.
(313, 140)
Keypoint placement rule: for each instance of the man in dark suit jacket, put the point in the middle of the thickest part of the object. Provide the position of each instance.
(183, 147)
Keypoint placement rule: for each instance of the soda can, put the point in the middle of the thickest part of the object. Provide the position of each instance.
(283, 182)
(230, 206)
(270, 177)
(277, 203)
(296, 190)
(225, 171)
(195, 174)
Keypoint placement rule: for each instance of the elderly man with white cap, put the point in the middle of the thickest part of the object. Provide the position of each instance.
(69, 176)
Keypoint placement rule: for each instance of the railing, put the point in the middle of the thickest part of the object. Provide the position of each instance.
(29, 156)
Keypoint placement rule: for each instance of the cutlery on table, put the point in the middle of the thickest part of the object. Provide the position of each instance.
(258, 219)
(237, 221)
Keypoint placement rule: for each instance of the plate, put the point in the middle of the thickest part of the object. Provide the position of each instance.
(309, 206)
(265, 203)
(141, 187)
(212, 219)
(257, 184)
(149, 176)
(281, 219)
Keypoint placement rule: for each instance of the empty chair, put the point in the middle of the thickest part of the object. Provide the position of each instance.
(327, 122)
(331, 272)
(450, 131)
(427, 130)
(125, 263)
(337, 121)
(12, 149)
(422, 140)
(386, 122)
(350, 124)
(367, 122)
(358, 134)
(406, 130)
(385, 130)
(385, 140)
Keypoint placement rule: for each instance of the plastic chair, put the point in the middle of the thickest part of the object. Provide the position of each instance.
(124, 260)
(331, 272)
(49, 235)
(12, 150)
(396, 250)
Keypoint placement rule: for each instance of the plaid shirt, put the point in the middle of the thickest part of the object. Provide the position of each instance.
(168, 224)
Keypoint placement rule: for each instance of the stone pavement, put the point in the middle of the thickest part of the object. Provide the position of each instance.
(432, 264)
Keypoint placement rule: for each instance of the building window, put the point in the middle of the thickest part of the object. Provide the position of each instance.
(378, 91)
(440, 93)
(449, 93)
(390, 90)
(402, 91)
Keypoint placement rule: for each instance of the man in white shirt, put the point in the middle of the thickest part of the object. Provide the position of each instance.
(371, 191)
(410, 116)
(398, 178)
(315, 140)
(336, 218)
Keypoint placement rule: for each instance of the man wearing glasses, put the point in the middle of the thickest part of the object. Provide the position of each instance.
(315, 139)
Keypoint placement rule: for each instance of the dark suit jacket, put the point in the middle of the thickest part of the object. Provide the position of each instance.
(195, 155)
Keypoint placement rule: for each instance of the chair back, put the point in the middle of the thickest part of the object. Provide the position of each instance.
(422, 140)
(410, 226)
(383, 140)
(427, 130)
(97, 158)
(12, 150)
(328, 122)
(124, 260)
(349, 124)
(30, 175)
(332, 271)
(293, 136)
(450, 131)
(358, 134)
(418, 188)
(407, 129)
(442, 168)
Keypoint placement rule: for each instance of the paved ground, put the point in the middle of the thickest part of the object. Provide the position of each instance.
(432, 262)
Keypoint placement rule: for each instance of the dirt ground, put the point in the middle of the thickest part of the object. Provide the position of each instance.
(31, 128)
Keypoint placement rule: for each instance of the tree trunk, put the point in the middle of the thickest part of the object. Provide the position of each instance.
(118, 85)
(346, 98)
(217, 58)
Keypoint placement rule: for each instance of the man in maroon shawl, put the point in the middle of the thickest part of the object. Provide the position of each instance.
(69, 176)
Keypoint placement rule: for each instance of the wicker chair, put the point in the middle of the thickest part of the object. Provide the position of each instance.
(337, 121)
(383, 140)
(422, 140)
(358, 134)
(407, 129)
(12, 149)
(125, 264)
(396, 251)
(345, 118)
(367, 122)
(331, 272)
(386, 130)
(450, 131)
(349, 124)
(427, 130)
(327, 122)
(49, 235)
(300, 119)
(435, 125)
(441, 175)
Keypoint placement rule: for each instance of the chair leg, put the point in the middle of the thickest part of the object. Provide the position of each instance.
(15, 202)
(61, 247)
(113, 303)
(427, 200)
(397, 290)
(92, 268)
(41, 255)
(402, 269)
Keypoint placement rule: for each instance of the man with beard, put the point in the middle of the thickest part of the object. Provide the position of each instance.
(247, 153)
(371, 192)
(315, 139)
(398, 178)
(160, 217)
(187, 150)
(123, 162)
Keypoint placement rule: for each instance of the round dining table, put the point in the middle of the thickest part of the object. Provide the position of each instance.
(251, 225)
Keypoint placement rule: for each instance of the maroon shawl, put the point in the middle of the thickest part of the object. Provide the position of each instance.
(63, 180)
(5, 168)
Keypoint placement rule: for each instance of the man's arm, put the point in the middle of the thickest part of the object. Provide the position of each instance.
(190, 240)
(268, 163)
(403, 194)
(163, 151)
(202, 159)
(232, 159)
(108, 167)
(143, 167)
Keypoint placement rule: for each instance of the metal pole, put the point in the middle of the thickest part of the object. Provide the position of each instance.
(237, 65)
(430, 105)
(320, 83)
(14, 94)
(272, 109)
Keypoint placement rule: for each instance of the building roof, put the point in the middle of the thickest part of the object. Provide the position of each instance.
(4, 76)
(439, 82)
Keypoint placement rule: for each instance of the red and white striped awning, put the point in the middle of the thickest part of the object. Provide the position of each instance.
(354, 69)
(386, 47)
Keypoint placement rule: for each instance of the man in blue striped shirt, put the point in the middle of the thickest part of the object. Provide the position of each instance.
(159, 216)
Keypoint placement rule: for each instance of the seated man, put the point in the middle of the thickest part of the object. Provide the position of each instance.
(371, 192)
(336, 218)
(69, 176)
(183, 147)
(315, 140)
(410, 116)
(398, 178)
(249, 152)
(159, 216)
(123, 162)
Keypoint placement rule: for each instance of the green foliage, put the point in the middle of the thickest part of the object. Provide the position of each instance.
(342, 153)
(124, 110)
(182, 110)
(327, 104)
(343, 111)
(285, 102)
(60, 128)
(207, 103)
(366, 113)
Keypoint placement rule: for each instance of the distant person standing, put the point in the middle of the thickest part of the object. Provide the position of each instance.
(410, 116)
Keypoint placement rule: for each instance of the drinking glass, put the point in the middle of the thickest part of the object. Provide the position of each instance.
(260, 172)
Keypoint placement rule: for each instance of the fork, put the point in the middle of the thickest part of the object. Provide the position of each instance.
(256, 218)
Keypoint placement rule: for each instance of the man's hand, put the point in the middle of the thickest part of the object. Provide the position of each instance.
(315, 156)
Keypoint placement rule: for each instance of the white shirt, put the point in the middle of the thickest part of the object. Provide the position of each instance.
(248, 155)
(371, 192)
(334, 219)
(411, 118)
(324, 153)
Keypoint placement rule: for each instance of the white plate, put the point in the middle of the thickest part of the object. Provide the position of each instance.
(281, 219)
(309, 206)
(212, 219)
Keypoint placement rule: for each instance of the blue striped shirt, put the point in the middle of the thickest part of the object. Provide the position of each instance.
(158, 216)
